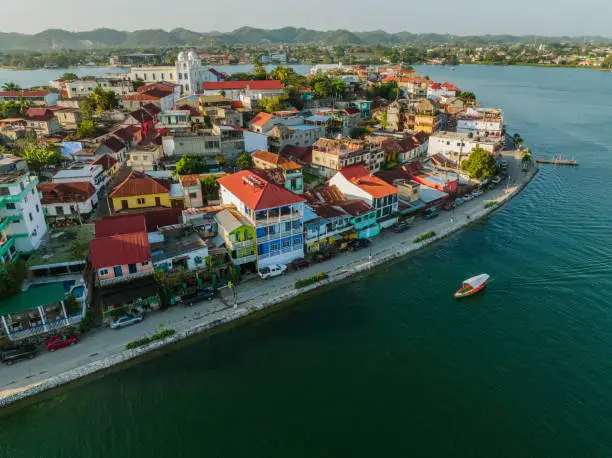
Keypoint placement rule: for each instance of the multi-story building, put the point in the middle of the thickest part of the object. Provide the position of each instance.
(275, 213)
(42, 121)
(457, 146)
(79, 172)
(299, 135)
(484, 122)
(239, 236)
(291, 171)
(37, 98)
(145, 158)
(22, 221)
(331, 155)
(84, 88)
(357, 183)
(248, 92)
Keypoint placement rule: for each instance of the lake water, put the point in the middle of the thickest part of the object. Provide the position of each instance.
(389, 364)
(29, 78)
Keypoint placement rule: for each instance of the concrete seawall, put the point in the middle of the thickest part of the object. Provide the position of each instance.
(399, 250)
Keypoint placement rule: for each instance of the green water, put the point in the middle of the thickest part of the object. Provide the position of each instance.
(390, 364)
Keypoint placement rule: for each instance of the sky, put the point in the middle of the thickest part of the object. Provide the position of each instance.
(464, 17)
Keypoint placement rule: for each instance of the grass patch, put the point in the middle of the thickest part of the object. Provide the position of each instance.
(425, 236)
(147, 340)
(309, 281)
(490, 204)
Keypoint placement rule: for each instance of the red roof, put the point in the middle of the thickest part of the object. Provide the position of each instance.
(120, 224)
(137, 184)
(451, 87)
(117, 250)
(106, 161)
(236, 104)
(140, 97)
(113, 143)
(261, 119)
(24, 93)
(163, 86)
(142, 116)
(127, 133)
(257, 85)
(374, 186)
(300, 154)
(154, 219)
(39, 114)
(435, 86)
(257, 193)
(55, 193)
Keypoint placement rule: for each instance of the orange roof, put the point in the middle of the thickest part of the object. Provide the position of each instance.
(261, 119)
(137, 184)
(374, 186)
(140, 96)
(54, 193)
(191, 180)
(276, 160)
(257, 193)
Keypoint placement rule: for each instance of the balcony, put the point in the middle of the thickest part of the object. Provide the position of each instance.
(45, 328)
(129, 277)
(6, 246)
(244, 260)
(244, 244)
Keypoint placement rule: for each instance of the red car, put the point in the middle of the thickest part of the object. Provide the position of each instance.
(57, 342)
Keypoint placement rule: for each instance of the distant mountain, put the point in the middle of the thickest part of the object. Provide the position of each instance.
(57, 39)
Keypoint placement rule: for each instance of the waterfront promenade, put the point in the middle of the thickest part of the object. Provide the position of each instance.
(105, 348)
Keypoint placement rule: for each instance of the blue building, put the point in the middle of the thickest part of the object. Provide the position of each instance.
(276, 214)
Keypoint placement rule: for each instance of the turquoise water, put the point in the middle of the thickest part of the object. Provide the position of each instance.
(390, 364)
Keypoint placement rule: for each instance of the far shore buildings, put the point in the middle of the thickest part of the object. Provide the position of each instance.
(36, 98)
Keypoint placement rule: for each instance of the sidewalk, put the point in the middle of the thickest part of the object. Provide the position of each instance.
(105, 347)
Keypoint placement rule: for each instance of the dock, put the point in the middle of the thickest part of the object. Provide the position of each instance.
(556, 161)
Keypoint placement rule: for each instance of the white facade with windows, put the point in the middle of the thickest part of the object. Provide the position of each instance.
(22, 221)
(93, 174)
(452, 143)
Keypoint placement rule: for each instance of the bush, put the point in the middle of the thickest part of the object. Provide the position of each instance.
(425, 236)
(86, 324)
(490, 204)
(309, 281)
(147, 340)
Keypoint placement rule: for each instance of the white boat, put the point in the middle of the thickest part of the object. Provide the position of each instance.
(472, 285)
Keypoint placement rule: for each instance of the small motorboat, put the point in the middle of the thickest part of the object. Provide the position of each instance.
(472, 285)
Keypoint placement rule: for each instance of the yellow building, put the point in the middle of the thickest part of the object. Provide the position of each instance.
(139, 191)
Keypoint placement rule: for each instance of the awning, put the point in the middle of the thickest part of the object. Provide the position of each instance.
(123, 294)
(32, 298)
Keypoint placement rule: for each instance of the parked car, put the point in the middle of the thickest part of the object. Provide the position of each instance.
(431, 213)
(459, 201)
(477, 192)
(57, 342)
(496, 180)
(202, 295)
(322, 255)
(273, 270)
(126, 320)
(298, 264)
(467, 197)
(403, 226)
(13, 354)
(359, 244)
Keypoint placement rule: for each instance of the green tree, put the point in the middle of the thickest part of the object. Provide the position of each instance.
(281, 74)
(10, 86)
(480, 164)
(518, 140)
(72, 305)
(104, 100)
(468, 96)
(259, 72)
(383, 120)
(338, 87)
(526, 157)
(40, 156)
(271, 104)
(607, 62)
(322, 87)
(11, 279)
(210, 187)
(69, 76)
(190, 164)
(244, 161)
(87, 129)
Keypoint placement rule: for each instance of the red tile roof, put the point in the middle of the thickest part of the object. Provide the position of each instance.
(139, 97)
(120, 224)
(189, 181)
(55, 193)
(257, 85)
(127, 133)
(137, 184)
(257, 193)
(39, 114)
(141, 116)
(435, 85)
(451, 87)
(162, 86)
(275, 159)
(24, 93)
(117, 250)
(106, 161)
(236, 104)
(301, 155)
(152, 108)
(261, 119)
(374, 186)
(154, 219)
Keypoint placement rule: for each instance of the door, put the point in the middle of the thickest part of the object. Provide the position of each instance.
(124, 205)
(157, 202)
(118, 271)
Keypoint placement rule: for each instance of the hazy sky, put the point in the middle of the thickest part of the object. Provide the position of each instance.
(464, 17)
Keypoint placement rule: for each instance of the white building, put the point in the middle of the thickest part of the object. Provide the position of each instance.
(248, 92)
(485, 122)
(68, 200)
(188, 73)
(84, 88)
(90, 173)
(451, 144)
(22, 222)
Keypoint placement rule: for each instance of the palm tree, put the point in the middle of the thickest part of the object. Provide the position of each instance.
(10, 86)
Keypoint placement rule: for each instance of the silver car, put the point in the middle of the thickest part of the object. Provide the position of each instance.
(126, 320)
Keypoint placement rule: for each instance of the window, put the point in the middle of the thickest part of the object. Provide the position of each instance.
(11, 206)
(288, 227)
(140, 200)
(145, 263)
(21, 185)
(132, 268)
(103, 272)
(193, 195)
(134, 157)
(286, 243)
(5, 192)
(274, 247)
(37, 209)
(33, 191)
(31, 217)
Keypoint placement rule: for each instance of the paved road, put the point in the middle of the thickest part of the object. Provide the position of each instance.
(104, 342)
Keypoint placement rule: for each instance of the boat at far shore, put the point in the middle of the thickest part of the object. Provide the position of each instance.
(472, 286)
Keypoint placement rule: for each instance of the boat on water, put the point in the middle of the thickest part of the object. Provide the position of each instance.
(472, 285)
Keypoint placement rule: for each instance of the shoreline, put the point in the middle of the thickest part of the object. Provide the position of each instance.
(230, 316)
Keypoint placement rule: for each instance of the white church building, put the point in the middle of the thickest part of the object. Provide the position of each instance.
(188, 73)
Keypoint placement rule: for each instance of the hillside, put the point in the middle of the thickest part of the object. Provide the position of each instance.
(56, 39)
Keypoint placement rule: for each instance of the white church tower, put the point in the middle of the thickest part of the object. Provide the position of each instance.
(190, 74)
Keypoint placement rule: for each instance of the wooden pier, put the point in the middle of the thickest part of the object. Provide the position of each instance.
(556, 161)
